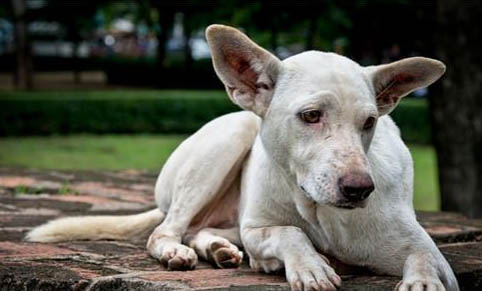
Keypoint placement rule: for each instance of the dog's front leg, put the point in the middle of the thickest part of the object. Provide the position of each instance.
(271, 248)
(427, 270)
(425, 267)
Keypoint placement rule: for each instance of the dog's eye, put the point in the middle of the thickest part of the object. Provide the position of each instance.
(369, 123)
(311, 116)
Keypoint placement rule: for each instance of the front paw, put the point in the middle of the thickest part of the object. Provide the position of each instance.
(311, 273)
(178, 257)
(420, 283)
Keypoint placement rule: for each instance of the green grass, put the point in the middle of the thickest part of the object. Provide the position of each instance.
(426, 186)
(85, 152)
(149, 152)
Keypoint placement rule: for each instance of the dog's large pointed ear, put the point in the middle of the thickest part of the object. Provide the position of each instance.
(248, 71)
(396, 80)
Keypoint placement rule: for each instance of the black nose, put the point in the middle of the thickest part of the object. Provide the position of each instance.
(356, 186)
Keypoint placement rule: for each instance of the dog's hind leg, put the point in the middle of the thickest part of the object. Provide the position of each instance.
(219, 246)
(201, 170)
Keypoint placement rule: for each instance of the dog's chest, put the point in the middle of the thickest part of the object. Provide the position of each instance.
(353, 240)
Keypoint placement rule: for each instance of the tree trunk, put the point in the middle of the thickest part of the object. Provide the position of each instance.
(310, 36)
(456, 106)
(188, 61)
(23, 72)
(76, 62)
(274, 39)
(165, 22)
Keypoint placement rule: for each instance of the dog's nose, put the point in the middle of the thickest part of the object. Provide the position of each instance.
(356, 186)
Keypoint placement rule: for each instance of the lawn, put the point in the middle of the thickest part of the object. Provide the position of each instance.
(149, 152)
(426, 186)
(85, 152)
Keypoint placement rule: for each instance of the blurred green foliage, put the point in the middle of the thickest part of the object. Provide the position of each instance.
(40, 113)
(146, 111)
(412, 117)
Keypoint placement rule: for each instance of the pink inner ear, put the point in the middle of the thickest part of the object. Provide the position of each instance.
(404, 78)
(243, 69)
(396, 86)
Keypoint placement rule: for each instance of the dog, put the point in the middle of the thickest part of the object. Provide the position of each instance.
(314, 166)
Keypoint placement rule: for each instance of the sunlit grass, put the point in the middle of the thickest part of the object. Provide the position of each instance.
(89, 152)
(426, 188)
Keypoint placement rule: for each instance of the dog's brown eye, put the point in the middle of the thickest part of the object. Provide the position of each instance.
(311, 116)
(369, 123)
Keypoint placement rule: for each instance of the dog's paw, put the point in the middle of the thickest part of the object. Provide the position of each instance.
(178, 257)
(224, 254)
(312, 273)
(267, 266)
(420, 284)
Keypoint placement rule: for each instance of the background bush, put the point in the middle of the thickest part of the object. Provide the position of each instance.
(145, 111)
(412, 116)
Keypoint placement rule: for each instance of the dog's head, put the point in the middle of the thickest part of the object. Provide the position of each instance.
(319, 110)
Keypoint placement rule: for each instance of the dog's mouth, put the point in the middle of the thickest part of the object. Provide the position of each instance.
(349, 205)
(342, 204)
(307, 194)
(345, 206)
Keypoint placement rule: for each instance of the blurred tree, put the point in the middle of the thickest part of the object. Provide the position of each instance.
(305, 24)
(380, 25)
(272, 17)
(24, 69)
(165, 20)
(196, 14)
(456, 106)
(77, 18)
(274, 24)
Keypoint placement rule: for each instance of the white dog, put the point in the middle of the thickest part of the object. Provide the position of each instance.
(313, 166)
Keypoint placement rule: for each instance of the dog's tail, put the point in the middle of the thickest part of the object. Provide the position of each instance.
(120, 227)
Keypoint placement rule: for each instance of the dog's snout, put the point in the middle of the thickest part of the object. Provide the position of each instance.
(356, 186)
